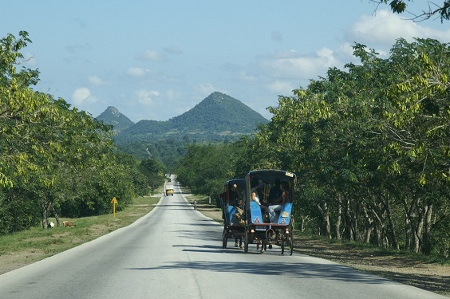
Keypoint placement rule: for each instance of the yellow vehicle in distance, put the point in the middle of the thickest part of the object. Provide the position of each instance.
(169, 190)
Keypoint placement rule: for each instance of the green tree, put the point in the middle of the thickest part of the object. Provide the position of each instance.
(54, 158)
(432, 9)
(370, 145)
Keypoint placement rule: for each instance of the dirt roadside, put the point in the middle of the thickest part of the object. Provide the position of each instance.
(432, 277)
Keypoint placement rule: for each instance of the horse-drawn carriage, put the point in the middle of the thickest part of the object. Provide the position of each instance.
(232, 210)
(268, 209)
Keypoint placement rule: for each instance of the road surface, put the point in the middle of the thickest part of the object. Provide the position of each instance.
(176, 252)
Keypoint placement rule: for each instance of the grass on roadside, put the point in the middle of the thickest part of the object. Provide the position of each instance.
(380, 251)
(21, 248)
(208, 209)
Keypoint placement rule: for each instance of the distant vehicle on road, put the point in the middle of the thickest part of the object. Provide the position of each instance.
(169, 191)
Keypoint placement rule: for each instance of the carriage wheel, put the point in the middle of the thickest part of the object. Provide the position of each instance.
(246, 241)
(224, 237)
(291, 236)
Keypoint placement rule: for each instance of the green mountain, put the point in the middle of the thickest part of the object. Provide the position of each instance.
(112, 116)
(220, 114)
(217, 117)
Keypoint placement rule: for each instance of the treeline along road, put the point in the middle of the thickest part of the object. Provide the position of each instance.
(174, 252)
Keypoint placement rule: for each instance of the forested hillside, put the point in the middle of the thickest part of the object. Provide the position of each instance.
(112, 116)
(370, 146)
(218, 118)
(221, 114)
(56, 160)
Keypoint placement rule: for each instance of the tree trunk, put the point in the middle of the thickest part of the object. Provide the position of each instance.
(426, 247)
(56, 215)
(44, 216)
(409, 225)
(338, 221)
(355, 222)
(369, 227)
(419, 231)
(391, 225)
(348, 229)
(377, 213)
(407, 233)
(368, 233)
(326, 226)
(303, 221)
(378, 235)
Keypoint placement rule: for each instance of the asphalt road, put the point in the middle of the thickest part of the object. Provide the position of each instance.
(176, 252)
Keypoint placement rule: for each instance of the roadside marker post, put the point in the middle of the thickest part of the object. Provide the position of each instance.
(114, 201)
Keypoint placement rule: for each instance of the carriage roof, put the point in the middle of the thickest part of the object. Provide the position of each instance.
(238, 182)
(271, 173)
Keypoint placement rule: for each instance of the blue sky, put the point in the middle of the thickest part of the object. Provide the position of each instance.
(154, 60)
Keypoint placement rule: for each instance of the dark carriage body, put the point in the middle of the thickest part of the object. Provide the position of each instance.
(267, 191)
(232, 203)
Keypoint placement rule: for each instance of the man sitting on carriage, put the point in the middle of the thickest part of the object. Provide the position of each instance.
(277, 200)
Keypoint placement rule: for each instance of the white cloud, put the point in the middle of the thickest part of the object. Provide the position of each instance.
(292, 65)
(385, 27)
(326, 56)
(286, 54)
(346, 49)
(151, 55)
(97, 81)
(82, 96)
(204, 89)
(173, 95)
(244, 76)
(147, 97)
(136, 72)
(281, 87)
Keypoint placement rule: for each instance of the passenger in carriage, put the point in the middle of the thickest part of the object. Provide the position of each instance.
(275, 192)
(277, 203)
(239, 195)
(285, 192)
(255, 196)
(237, 218)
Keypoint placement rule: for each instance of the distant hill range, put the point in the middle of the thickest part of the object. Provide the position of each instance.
(217, 117)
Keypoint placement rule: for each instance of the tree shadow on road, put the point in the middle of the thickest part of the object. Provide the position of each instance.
(293, 270)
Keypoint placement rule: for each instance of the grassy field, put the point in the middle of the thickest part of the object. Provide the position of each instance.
(25, 247)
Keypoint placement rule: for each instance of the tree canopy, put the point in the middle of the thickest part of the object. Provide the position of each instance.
(54, 158)
(370, 147)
